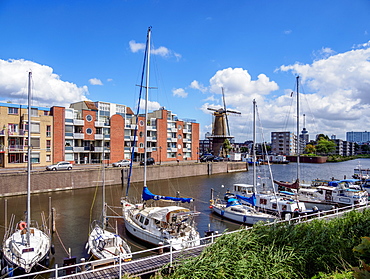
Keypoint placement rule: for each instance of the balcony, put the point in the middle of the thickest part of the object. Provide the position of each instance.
(98, 149)
(173, 139)
(98, 136)
(151, 128)
(20, 133)
(173, 129)
(78, 122)
(16, 148)
(173, 149)
(78, 149)
(99, 124)
(78, 135)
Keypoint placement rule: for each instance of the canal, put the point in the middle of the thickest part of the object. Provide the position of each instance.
(76, 209)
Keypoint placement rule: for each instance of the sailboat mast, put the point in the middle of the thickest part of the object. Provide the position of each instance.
(254, 148)
(103, 178)
(298, 141)
(146, 103)
(29, 159)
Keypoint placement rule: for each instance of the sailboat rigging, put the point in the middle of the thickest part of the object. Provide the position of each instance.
(234, 210)
(25, 245)
(158, 225)
(102, 243)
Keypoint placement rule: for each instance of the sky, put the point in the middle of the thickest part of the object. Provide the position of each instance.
(93, 50)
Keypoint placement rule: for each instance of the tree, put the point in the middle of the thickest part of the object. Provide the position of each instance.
(310, 148)
(244, 149)
(226, 147)
(325, 146)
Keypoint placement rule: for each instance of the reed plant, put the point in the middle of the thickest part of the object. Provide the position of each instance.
(302, 250)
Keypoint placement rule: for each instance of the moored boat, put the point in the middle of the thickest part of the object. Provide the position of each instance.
(158, 225)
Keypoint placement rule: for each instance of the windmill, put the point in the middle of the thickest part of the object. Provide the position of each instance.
(220, 129)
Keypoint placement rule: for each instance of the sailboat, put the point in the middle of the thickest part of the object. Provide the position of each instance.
(25, 245)
(102, 243)
(231, 208)
(159, 225)
(271, 202)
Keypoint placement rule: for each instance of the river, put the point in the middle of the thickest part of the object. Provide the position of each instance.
(75, 209)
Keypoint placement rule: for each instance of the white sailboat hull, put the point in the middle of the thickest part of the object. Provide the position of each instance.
(18, 254)
(245, 218)
(104, 244)
(148, 232)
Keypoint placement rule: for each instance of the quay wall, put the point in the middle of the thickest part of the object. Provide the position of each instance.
(45, 181)
(308, 159)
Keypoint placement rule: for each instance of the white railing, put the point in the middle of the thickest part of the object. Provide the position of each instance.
(78, 122)
(88, 267)
(78, 135)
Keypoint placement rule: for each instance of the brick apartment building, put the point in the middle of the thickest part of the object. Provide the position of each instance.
(87, 131)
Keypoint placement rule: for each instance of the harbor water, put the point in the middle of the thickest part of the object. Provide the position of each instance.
(76, 209)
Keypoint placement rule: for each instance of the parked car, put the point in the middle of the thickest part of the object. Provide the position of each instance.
(121, 163)
(149, 161)
(207, 158)
(218, 159)
(60, 166)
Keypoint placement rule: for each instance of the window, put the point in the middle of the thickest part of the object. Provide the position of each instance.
(34, 112)
(48, 145)
(69, 129)
(89, 131)
(35, 128)
(35, 157)
(141, 123)
(89, 118)
(12, 110)
(48, 158)
(12, 128)
(48, 131)
(35, 143)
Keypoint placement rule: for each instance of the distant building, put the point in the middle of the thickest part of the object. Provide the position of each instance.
(358, 137)
(344, 148)
(283, 143)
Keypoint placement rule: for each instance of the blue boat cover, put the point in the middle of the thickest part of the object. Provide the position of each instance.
(336, 183)
(232, 201)
(147, 195)
(252, 200)
(287, 193)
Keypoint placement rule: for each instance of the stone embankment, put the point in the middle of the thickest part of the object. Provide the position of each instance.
(45, 181)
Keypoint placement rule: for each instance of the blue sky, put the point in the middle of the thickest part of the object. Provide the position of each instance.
(90, 50)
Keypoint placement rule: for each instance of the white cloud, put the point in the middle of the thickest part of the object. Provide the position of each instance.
(151, 105)
(335, 95)
(287, 32)
(161, 51)
(47, 90)
(196, 85)
(179, 92)
(95, 81)
(135, 47)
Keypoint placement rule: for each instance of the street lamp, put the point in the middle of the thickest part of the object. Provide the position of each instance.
(197, 154)
(160, 155)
